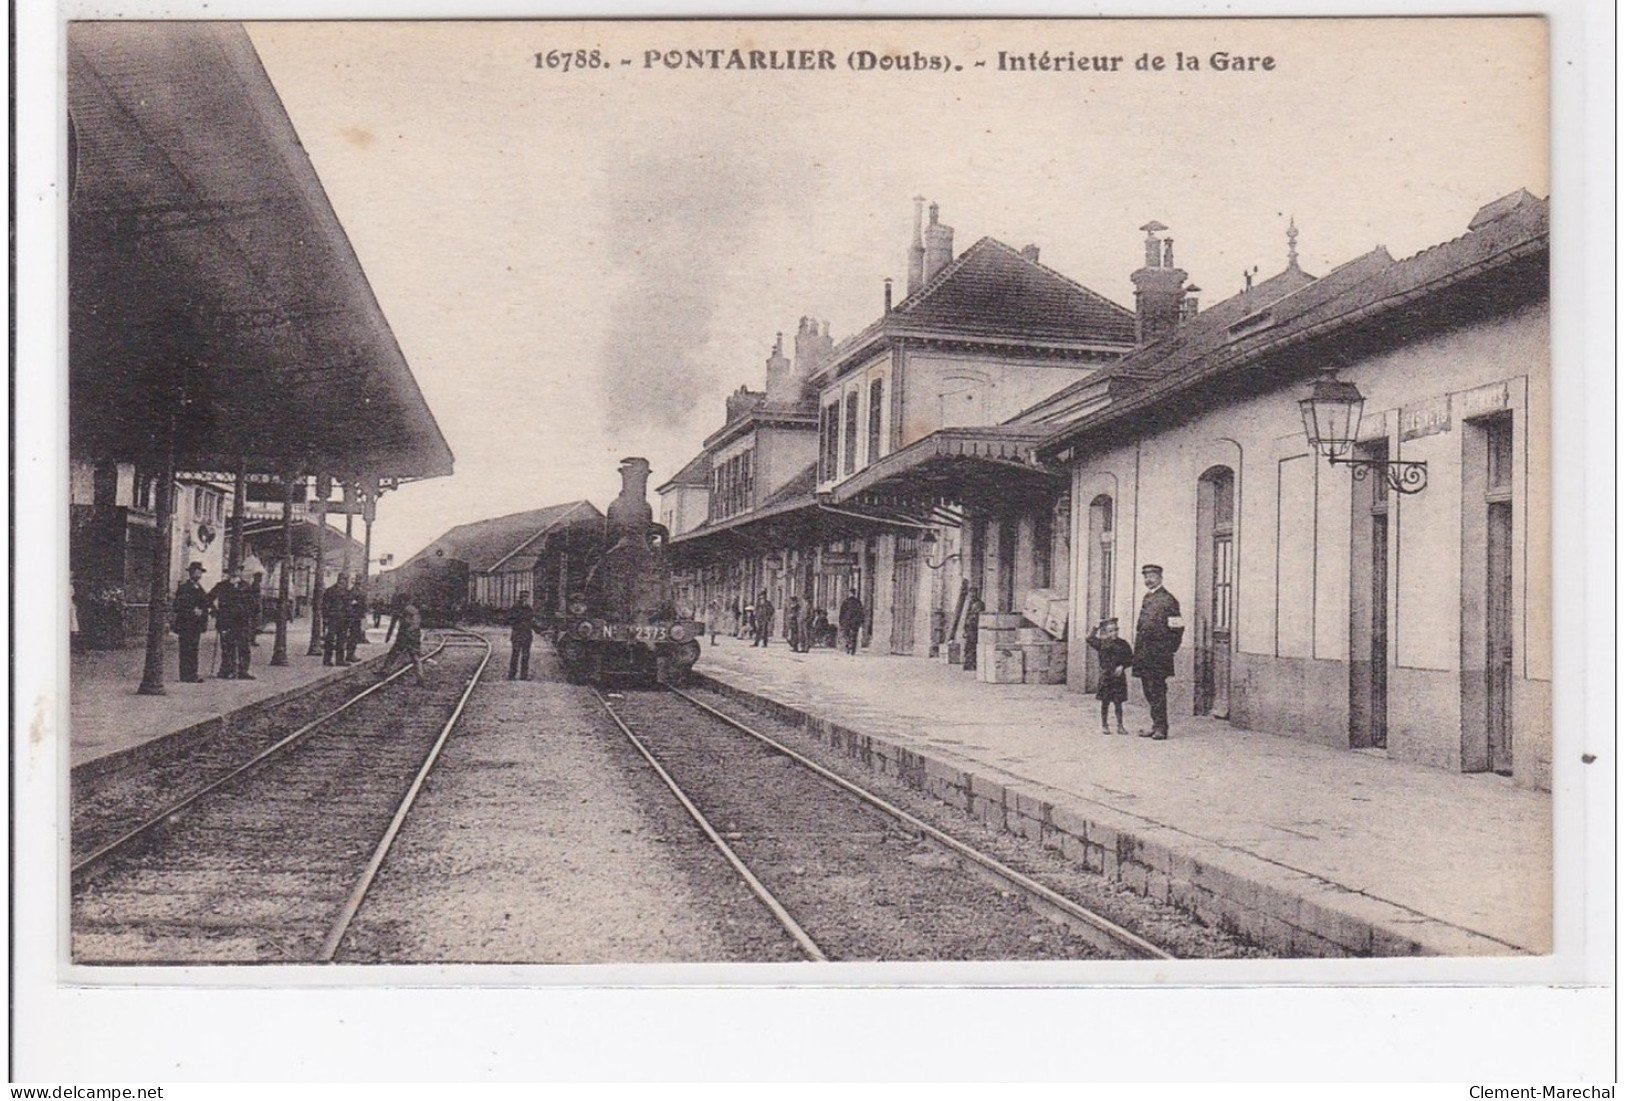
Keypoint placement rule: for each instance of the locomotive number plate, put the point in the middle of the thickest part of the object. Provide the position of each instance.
(649, 634)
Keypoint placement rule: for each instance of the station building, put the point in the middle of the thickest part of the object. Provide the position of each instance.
(880, 451)
(1321, 601)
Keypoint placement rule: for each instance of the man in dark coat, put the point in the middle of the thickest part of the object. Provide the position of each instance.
(191, 608)
(850, 619)
(1157, 635)
(236, 610)
(764, 620)
(356, 633)
(521, 629)
(973, 627)
(336, 622)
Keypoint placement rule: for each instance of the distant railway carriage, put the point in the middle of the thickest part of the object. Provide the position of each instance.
(439, 588)
(624, 622)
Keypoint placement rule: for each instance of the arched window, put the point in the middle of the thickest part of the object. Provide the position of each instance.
(1100, 568)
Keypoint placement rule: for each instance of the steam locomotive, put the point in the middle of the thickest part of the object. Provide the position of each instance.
(624, 623)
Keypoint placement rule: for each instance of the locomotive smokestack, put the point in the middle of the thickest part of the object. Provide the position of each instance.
(631, 509)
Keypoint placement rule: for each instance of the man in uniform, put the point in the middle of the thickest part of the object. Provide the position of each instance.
(356, 617)
(763, 624)
(850, 618)
(234, 614)
(336, 622)
(191, 619)
(1157, 635)
(521, 628)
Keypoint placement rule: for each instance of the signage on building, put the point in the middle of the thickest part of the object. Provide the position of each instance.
(272, 492)
(1494, 398)
(840, 560)
(1428, 418)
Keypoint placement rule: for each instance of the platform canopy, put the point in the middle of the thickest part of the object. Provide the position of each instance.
(210, 282)
(985, 466)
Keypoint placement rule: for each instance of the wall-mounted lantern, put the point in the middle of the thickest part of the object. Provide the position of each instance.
(1331, 421)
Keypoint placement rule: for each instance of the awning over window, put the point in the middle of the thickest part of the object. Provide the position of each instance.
(210, 282)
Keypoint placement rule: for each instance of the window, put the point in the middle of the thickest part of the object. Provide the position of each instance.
(831, 442)
(1498, 437)
(851, 460)
(1043, 548)
(876, 393)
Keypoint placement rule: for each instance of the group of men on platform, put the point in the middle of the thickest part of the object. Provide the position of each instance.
(344, 613)
(238, 608)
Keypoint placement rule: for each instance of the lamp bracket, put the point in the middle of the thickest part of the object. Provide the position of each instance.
(1401, 476)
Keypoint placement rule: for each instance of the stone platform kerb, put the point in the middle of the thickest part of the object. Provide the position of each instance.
(108, 719)
(1303, 849)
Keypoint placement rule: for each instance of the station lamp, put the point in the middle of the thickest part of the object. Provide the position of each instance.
(1331, 422)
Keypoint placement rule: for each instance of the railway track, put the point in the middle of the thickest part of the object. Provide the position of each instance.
(846, 873)
(269, 860)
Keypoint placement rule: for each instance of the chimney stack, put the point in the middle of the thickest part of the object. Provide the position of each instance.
(887, 282)
(916, 251)
(1159, 288)
(780, 383)
(813, 348)
(939, 245)
(1030, 253)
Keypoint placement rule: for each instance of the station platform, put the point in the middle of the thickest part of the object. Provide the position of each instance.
(107, 716)
(1305, 849)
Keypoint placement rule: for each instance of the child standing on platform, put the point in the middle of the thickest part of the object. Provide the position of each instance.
(1115, 658)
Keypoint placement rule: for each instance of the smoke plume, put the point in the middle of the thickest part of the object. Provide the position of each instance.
(677, 219)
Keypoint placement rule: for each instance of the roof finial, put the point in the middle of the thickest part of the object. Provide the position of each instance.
(1292, 243)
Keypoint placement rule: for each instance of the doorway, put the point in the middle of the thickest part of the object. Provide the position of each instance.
(1215, 589)
(904, 593)
(1498, 594)
(1098, 581)
(1368, 605)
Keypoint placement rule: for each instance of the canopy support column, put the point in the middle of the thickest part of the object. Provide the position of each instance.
(152, 674)
(324, 486)
(279, 653)
(239, 505)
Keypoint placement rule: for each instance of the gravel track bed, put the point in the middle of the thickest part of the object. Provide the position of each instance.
(256, 871)
(108, 799)
(1172, 929)
(542, 837)
(862, 886)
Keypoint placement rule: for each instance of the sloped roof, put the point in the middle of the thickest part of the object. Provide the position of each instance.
(992, 289)
(208, 270)
(802, 485)
(484, 544)
(1373, 301)
(696, 472)
(1192, 337)
(992, 293)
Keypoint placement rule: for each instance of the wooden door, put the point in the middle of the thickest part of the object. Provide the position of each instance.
(904, 594)
(1498, 637)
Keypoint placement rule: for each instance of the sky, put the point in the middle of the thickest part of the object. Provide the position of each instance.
(580, 265)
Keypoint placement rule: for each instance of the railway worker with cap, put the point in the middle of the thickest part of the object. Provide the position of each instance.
(336, 621)
(850, 619)
(407, 627)
(522, 627)
(1157, 635)
(763, 623)
(793, 624)
(191, 607)
(356, 628)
